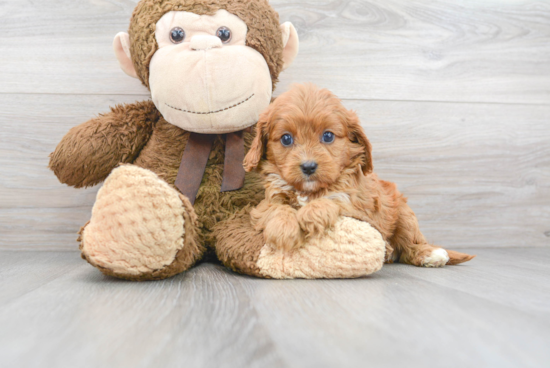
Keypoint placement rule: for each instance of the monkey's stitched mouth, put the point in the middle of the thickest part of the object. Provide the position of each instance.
(211, 112)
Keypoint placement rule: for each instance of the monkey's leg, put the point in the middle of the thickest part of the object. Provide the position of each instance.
(352, 249)
(238, 244)
(141, 228)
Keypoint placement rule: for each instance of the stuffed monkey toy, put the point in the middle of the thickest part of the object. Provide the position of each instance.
(174, 184)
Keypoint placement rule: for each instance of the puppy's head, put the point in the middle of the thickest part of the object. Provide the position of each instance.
(307, 137)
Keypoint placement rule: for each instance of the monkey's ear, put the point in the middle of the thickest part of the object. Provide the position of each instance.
(291, 43)
(257, 149)
(121, 45)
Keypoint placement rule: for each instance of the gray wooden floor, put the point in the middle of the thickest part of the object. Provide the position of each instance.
(56, 311)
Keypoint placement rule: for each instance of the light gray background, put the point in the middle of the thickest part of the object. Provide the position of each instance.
(454, 95)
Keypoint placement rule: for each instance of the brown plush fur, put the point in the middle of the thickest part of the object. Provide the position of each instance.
(138, 134)
(264, 34)
(343, 183)
(161, 154)
(89, 152)
(239, 244)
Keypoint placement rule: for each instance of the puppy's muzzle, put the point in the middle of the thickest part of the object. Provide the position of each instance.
(309, 168)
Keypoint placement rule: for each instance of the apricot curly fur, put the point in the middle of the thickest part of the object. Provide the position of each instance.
(343, 183)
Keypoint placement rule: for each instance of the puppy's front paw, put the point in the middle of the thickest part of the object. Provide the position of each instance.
(317, 217)
(284, 233)
(437, 258)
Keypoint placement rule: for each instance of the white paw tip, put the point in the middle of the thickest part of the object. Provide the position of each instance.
(438, 258)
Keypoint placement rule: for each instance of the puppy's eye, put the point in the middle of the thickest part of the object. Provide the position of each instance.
(287, 140)
(224, 34)
(328, 137)
(177, 35)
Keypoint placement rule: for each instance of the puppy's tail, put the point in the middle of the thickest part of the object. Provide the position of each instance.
(456, 257)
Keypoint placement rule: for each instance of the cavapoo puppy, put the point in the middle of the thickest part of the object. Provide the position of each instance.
(316, 162)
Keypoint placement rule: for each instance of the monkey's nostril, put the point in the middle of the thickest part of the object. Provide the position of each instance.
(309, 167)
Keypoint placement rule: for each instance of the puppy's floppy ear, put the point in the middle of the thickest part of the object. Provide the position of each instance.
(257, 149)
(357, 135)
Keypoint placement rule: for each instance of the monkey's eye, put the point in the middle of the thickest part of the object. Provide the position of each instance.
(328, 137)
(224, 34)
(177, 35)
(287, 140)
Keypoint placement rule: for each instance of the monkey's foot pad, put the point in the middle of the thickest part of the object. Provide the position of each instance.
(352, 249)
(137, 225)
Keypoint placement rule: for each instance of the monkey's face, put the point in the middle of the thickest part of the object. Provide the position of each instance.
(204, 78)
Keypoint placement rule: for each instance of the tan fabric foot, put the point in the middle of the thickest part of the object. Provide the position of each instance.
(352, 249)
(141, 228)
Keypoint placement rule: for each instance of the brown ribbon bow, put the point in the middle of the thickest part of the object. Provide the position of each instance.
(195, 158)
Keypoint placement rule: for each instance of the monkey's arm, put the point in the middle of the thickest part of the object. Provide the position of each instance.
(88, 152)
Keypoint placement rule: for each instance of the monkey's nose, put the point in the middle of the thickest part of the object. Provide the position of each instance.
(309, 167)
(204, 42)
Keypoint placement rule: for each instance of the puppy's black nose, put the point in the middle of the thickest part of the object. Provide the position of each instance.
(309, 167)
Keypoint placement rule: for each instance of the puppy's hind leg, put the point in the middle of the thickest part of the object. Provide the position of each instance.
(413, 247)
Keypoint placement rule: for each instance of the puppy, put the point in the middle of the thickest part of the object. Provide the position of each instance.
(317, 165)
